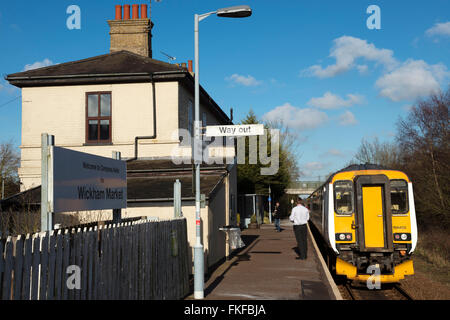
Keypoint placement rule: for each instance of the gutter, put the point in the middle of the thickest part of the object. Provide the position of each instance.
(136, 139)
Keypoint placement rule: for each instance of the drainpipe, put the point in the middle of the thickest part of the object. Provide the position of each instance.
(136, 139)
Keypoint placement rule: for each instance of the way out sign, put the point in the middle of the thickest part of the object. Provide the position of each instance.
(81, 181)
(234, 131)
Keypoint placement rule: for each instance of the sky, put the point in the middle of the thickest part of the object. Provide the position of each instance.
(334, 72)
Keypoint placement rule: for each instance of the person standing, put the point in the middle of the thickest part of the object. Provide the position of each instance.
(300, 216)
(277, 216)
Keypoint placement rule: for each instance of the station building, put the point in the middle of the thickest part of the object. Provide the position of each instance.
(127, 101)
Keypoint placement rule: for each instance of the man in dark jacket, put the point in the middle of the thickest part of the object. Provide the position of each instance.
(277, 216)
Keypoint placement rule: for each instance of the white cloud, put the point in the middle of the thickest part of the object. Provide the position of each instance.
(413, 79)
(38, 64)
(347, 119)
(334, 152)
(362, 68)
(399, 81)
(247, 81)
(313, 169)
(332, 101)
(296, 118)
(439, 29)
(313, 166)
(346, 50)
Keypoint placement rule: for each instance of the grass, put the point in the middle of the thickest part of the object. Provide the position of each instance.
(433, 248)
(431, 280)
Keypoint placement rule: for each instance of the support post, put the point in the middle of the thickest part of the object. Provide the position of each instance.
(270, 205)
(177, 199)
(46, 215)
(117, 213)
(198, 247)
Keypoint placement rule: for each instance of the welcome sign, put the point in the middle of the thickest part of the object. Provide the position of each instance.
(84, 182)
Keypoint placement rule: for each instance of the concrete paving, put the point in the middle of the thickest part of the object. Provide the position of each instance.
(267, 269)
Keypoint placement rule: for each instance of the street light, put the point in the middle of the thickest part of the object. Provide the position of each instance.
(229, 12)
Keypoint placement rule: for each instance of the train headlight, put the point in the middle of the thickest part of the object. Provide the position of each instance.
(402, 236)
(344, 237)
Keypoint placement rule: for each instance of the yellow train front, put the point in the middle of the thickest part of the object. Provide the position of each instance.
(367, 219)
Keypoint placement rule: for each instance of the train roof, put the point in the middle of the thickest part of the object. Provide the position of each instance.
(358, 167)
(354, 167)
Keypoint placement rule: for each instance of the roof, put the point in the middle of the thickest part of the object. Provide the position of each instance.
(116, 67)
(147, 181)
(119, 62)
(152, 180)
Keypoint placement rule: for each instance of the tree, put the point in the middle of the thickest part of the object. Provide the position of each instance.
(250, 179)
(9, 163)
(424, 142)
(376, 152)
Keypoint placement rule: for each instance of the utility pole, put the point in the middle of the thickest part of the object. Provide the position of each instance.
(117, 213)
(177, 199)
(46, 215)
(270, 205)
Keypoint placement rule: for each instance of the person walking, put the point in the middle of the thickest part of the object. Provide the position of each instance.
(277, 216)
(300, 216)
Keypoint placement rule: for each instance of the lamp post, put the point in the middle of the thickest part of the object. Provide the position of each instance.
(229, 12)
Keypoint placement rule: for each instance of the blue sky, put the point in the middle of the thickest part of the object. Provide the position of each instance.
(313, 64)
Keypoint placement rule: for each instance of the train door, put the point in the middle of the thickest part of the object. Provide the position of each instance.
(374, 213)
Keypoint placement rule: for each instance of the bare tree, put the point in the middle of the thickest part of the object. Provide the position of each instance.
(9, 163)
(376, 152)
(424, 140)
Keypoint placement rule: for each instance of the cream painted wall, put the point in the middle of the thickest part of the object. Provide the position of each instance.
(61, 111)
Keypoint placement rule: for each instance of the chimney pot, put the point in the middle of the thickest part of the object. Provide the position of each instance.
(126, 12)
(144, 10)
(135, 11)
(190, 67)
(118, 12)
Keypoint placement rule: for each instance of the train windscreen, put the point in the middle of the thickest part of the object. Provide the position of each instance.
(343, 197)
(399, 196)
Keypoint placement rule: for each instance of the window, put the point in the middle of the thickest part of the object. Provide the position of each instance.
(399, 196)
(343, 197)
(98, 117)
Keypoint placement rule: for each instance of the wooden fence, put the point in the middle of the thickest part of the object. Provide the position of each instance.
(135, 260)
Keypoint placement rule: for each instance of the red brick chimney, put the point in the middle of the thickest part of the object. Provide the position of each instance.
(131, 33)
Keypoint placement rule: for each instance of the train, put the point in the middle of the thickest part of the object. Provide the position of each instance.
(366, 217)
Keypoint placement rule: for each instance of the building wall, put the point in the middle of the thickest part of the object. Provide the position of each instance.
(61, 111)
(214, 148)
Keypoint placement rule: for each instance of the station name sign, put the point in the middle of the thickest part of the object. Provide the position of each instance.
(235, 130)
(84, 181)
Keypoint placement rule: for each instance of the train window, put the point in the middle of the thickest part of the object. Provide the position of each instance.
(399, 196)
(343, 197)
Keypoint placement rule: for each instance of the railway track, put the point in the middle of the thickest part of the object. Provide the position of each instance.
(359, 291)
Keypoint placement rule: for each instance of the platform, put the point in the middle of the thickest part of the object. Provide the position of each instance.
(267, 269)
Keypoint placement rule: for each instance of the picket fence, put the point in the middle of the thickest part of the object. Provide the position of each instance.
(132, 261)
